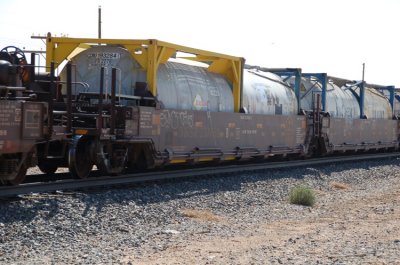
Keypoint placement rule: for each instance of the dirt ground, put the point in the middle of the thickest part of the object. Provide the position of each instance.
(349, 225)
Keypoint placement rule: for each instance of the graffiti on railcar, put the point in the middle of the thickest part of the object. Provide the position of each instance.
(176, 119)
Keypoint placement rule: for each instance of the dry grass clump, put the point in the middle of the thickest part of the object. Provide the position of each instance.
(302, 195)
(201, 215)
(339, 186)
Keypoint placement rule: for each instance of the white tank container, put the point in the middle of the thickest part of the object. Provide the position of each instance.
(89, 62)
(190, 87)
(396, 110)
(266, 93)
(376, 105)
(340, 102)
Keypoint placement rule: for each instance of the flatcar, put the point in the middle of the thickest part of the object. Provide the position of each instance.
(142, 107)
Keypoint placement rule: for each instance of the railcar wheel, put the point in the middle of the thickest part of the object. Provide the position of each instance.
(80, 160)
(111, 158)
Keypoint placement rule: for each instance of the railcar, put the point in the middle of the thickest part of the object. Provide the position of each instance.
(23, 122)
(355, 116)
(148, 103)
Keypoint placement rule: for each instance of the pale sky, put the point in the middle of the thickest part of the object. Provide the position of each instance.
(332, 36)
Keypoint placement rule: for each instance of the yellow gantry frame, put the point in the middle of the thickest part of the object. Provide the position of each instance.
(150, 54)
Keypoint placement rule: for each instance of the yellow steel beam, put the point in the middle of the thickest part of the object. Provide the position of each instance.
(177, 161)
(195, 51)
(58, 48)
(150, 54)
(139, 53)
(152, 67)
(237, 68)
(235, 72)
(160, 54)
(204, 59)
(165, 54)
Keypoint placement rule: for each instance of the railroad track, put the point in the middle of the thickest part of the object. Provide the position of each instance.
(105, 181)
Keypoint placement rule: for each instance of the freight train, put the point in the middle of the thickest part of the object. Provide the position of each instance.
(124, 105)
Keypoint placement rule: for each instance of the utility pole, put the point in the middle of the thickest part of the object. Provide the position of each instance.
(362, 94)
(99, 26)
(363, 72)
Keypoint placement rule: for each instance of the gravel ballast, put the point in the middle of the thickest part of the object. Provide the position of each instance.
(242, 219)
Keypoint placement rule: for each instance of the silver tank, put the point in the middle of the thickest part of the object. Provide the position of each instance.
(396, 107)
(266, 93)
(89, 62)
(340, 102)
(376, 105)
(190, 87)
(179, 86)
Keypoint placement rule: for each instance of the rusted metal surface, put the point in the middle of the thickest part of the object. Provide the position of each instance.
(351, 134)
(220, 133)
(21, 125)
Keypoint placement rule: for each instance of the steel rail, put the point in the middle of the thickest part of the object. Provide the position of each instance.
(73, 184)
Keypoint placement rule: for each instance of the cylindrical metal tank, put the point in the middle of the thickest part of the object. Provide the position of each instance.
(183, 86)
(376, 105)
(89, 62)
(396, 103)
(267, 93)
(396, 107)
(340, 102)
(179, 86)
